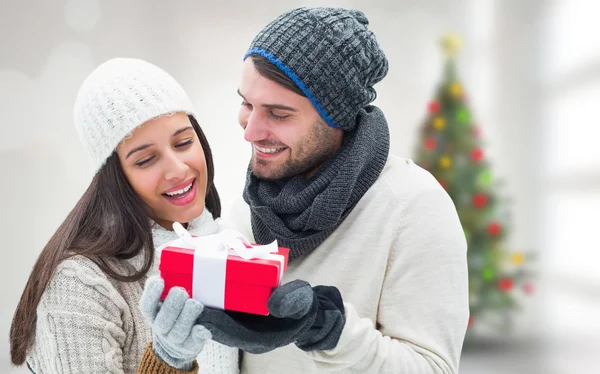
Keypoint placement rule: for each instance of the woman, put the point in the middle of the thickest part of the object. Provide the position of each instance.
(153, 166)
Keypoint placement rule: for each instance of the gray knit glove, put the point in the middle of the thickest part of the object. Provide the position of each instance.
(177, 339)
(311, 317)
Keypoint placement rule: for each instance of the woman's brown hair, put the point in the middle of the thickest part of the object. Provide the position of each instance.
(109, 222)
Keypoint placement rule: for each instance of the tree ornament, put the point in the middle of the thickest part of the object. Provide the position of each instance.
(505, 284)
(456, 89)
(485, 178)
(470, 322)
(462, 115)
(494, 228)
(434, 107)
(488, 274)
(439, 123)
(451, 44)
(477, 155)
(458, 160)
(518, 259)
(430, 144)
(480, 200)
(443, 184)
(445, 162)
(467, 234)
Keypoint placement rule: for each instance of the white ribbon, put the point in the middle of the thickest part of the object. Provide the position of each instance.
(210, 261)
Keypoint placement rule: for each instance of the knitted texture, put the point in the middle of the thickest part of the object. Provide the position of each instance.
(215, 357)
(399, 260)
(176, 337)
(88, 323)
(330, 54)
(120, 95)
(313, 318)
(301, 213)
(152, 364)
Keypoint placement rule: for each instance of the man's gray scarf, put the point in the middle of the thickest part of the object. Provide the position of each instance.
(301, 213)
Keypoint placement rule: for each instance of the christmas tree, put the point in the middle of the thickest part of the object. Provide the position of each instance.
(451, 148)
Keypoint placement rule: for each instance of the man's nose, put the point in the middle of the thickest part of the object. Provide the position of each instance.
(256, 128)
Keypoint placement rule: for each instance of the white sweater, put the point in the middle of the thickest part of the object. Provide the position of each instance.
(88, 323)
(399, 260)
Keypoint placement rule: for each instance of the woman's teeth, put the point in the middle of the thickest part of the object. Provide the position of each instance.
(268, 150)
(179, 192)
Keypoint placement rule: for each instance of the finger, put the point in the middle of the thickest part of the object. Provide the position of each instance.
(291, 300)
(330, 292)
(200, 335)
(150, 300)
(170, 310)
(187, 319)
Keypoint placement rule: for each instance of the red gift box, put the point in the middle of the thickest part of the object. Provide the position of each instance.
(214, 273)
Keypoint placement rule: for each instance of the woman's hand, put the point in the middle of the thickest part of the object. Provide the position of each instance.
(177, 338)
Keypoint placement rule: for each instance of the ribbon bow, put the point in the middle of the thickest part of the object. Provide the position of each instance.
(228, 240)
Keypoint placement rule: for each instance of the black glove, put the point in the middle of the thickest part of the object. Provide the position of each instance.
(311, 317)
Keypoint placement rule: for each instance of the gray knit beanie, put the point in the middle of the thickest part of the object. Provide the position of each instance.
(117, 97)
(331, 56)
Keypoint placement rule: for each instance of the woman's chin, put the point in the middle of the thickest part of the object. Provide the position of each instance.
(190, 214)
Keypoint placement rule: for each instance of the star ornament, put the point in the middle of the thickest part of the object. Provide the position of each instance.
(451, 44)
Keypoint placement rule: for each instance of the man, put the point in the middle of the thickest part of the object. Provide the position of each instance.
(377, 228)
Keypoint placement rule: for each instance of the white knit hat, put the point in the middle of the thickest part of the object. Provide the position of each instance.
(120, 95)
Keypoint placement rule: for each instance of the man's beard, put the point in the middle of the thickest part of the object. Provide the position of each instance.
(310, 153)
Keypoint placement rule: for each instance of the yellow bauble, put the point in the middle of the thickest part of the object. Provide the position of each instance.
(456, 89)
(445, 162)
(439, 123)
(518, 259)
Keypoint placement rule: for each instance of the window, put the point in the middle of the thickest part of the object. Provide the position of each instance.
(570, 78)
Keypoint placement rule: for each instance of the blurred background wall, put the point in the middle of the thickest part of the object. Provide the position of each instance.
(531, 69)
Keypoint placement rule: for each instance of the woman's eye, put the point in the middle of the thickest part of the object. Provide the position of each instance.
(184, 144)
(144, 161)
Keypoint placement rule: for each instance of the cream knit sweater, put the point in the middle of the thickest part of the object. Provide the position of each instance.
(399, 260)
(89, 323)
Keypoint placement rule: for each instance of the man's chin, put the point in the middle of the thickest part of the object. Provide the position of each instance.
(270, 173)
(266, 173)
(263, 170)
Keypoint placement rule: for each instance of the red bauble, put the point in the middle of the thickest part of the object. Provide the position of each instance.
(443, 184)
(434, 107)
(494, 229)
(477, 155)
(505, 284)
(430, 143)
(480, 200)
